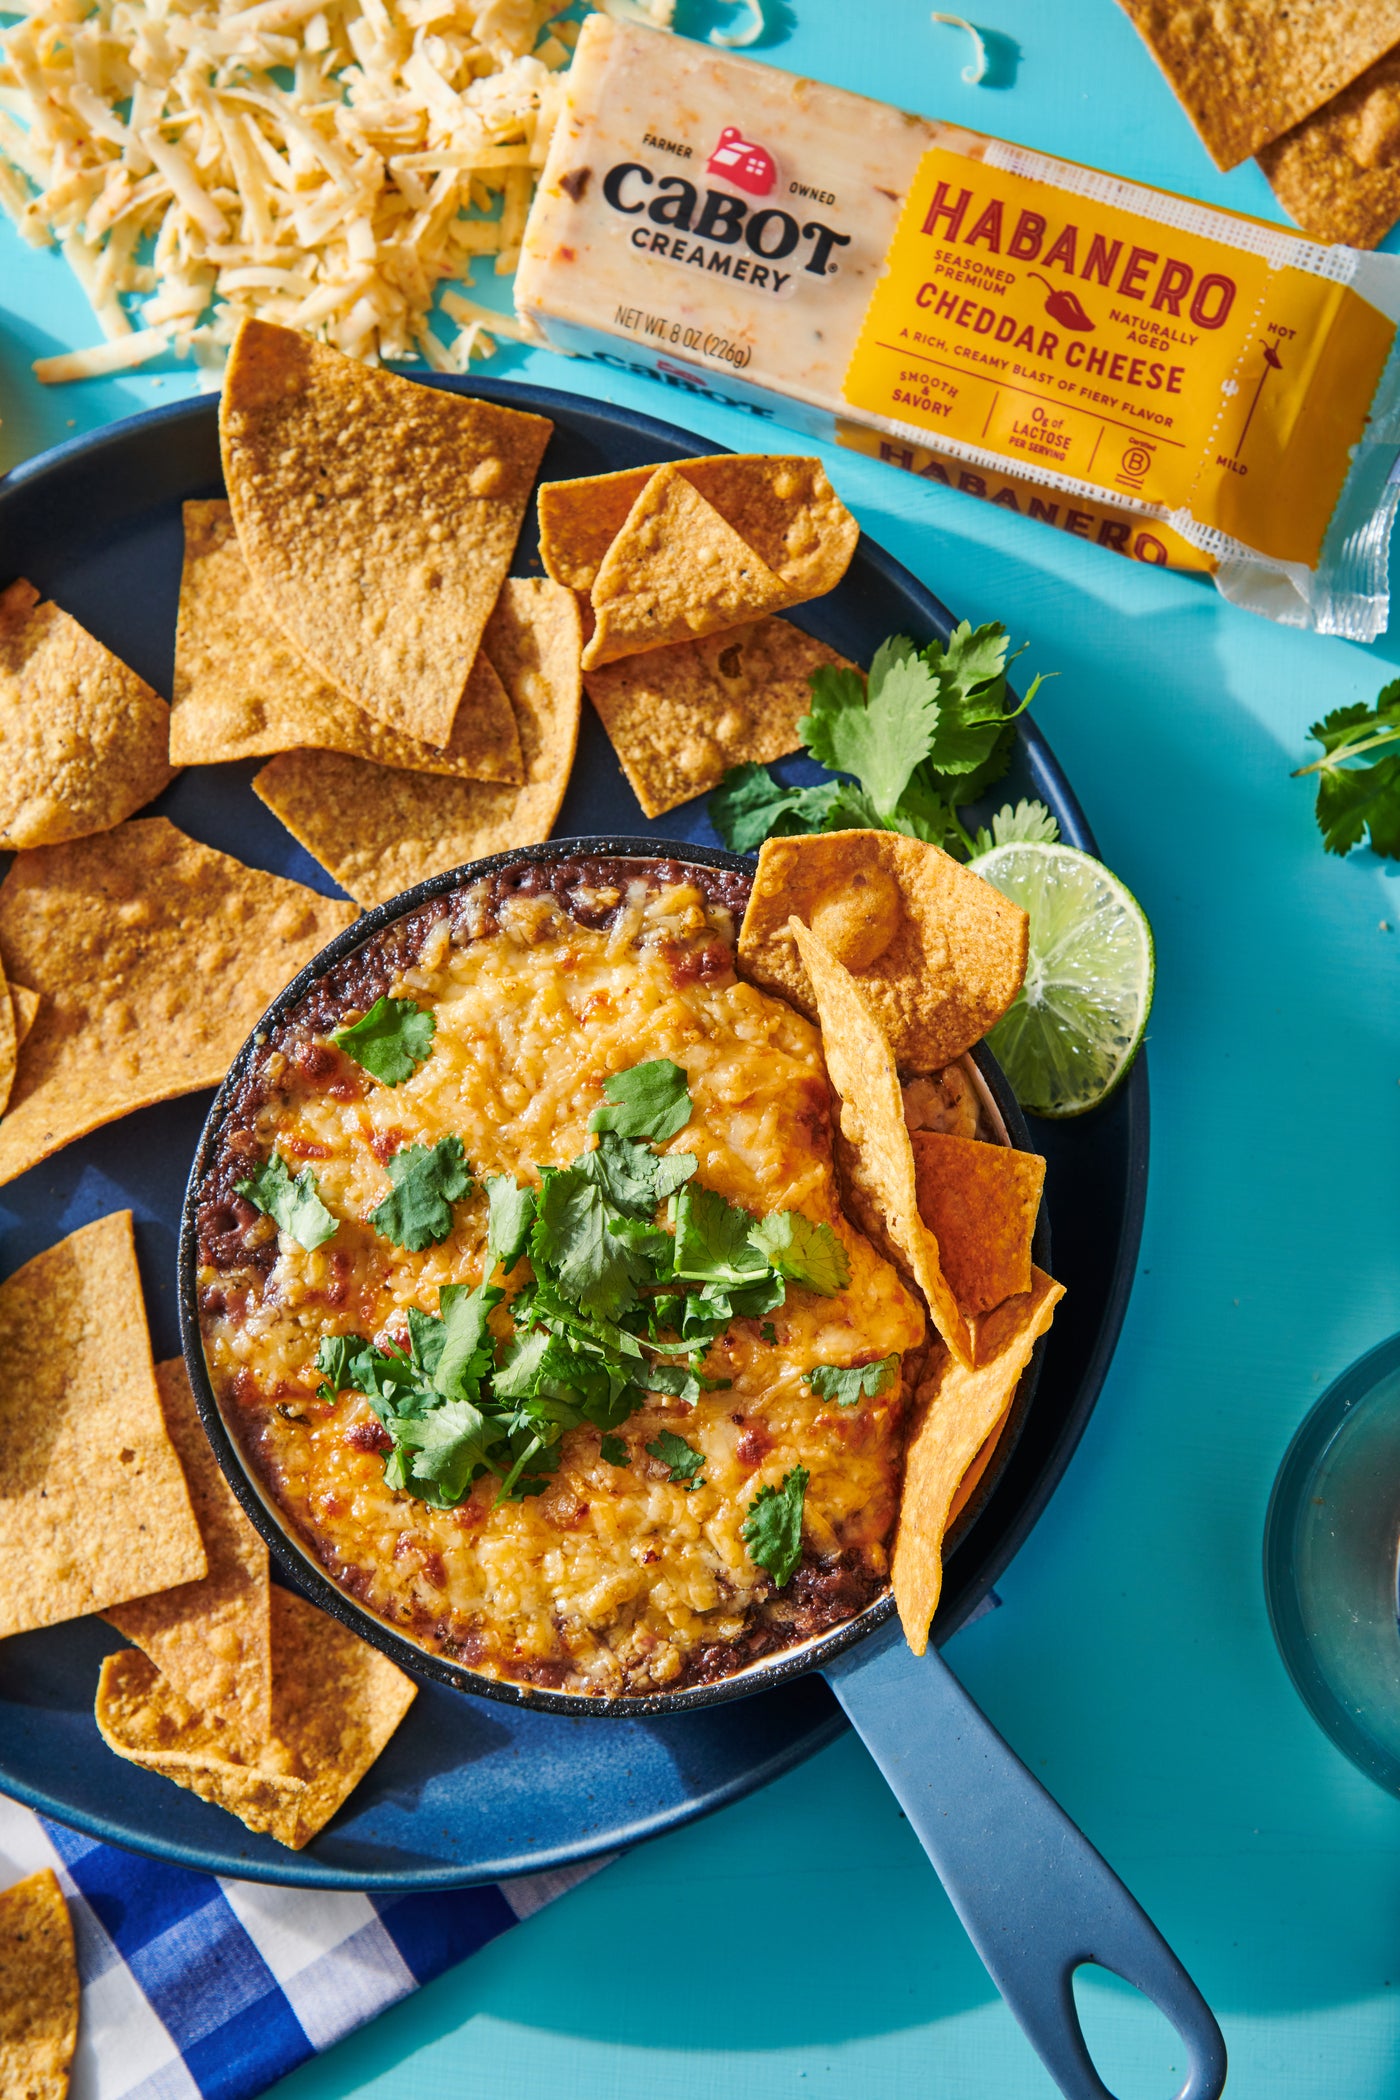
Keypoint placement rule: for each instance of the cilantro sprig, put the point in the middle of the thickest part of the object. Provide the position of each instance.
(772, 1530)
(930, 731)
(849, 1386)
(293, 1202)
(685, 1465)
(1358, 787)
(426, 1180)
(391, 1041)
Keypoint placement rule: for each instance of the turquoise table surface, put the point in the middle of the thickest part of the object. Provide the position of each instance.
(800, 1940)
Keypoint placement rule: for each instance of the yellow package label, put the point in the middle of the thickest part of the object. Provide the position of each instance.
(1106, 350)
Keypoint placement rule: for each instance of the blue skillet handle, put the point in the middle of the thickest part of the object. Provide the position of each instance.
(1034, 1895)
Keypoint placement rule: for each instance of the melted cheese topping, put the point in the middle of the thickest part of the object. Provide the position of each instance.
(615, 1578)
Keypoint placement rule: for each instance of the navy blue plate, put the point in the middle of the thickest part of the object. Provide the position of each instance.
(471, 1791)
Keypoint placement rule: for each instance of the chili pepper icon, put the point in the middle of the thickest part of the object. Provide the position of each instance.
(1272, 363)
(1062, 306)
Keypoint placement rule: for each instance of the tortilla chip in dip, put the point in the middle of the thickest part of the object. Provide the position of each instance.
(679, 718)
(39, 1989)
(956, 1410)
(980, 1202)
(212, 1639)
(1245, 71)
(378, 832)
(378, 517)
(242, 691)
(784, 508)
(336, 1702)
(938, 953)
(93, 1504)
(153, 957)
(83, 740)
(676, 570)
(862, 1070)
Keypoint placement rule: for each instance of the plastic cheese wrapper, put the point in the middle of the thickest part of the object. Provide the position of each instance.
(1178, 384)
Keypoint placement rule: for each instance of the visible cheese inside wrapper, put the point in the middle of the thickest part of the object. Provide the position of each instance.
(1177, 384)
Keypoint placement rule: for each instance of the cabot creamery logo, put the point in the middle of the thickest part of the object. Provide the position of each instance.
(719, 232)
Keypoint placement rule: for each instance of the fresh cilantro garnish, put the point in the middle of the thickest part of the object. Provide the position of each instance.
(712, 1239)
(651, 1100)
(335, 1353)
(849, 1387)
(1358, 788)
(768, 1332)
(391, 1040)
(427, 1181)
(573, 1242)
(633, 1177)
(929, 731)
(685, 1462)
(772, 1530)
(1029, 823)
(509, 1218)
(803, 1251)
(295, 1204)
(614, 1450)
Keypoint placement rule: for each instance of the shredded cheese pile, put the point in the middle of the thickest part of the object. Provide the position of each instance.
(321, 163)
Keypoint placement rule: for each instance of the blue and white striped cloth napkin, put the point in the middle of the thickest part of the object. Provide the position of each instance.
(197, 1987)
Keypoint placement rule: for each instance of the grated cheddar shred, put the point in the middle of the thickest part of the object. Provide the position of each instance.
(325, 164)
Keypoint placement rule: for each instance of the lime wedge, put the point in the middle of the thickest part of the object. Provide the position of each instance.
(1078, 1019)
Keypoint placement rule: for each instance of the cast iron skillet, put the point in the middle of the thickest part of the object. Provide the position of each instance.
(1036, 1898)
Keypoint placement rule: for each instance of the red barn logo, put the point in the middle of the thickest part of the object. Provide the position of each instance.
(748, 166)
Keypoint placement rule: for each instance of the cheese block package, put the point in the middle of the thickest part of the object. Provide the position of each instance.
(1177, 384)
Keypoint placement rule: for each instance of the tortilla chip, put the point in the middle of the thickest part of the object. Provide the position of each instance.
(936, 950)
(862, 1070)
(336, 1702)
(957, 1409)
(25, 1006)
(210, 1640)
(241, 690)
(1246, 71)
(783, 506)
(378, 517)
(679, 718)
(1338, 172)
(83, 740)
(153, 956)
(93, 1505)
(980, 1202)
(676, 570)
(9, 1037)
(39, 1990)
(378, 832)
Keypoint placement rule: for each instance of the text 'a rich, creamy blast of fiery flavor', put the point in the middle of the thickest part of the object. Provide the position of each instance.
(1178, 384)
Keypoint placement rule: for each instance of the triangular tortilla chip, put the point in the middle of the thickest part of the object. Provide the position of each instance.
(336, 1702)
(676, 570)
(212, 1639)
(153, 956)
(241, 690)
(83, 740)
(938, 952)
(679, 718)
(957, 1409)
(379, 832)
(93, 1504)
(378, 517)
(1338, 172)
(25, 1006)
(863, 1073)
(39, 1990)
(981, 1203)
(782, 505)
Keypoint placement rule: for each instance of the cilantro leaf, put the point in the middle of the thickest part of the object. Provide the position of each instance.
(466, 1356)
(510, 1215)
(335, 1353)
(448, 1448)
(881, 732)
(614, 1450)
(849, 1387)
(391, 1040)
(768, 1332)
(650, 1100)
(1028, 821)
(295, 1204)
(427, 1180)
(713, 1239)
(572, 1243)
(751, 805)
(1358, 789)
(772, 1530)
(803, 1251)
(633, 1177)
(685, 1462)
